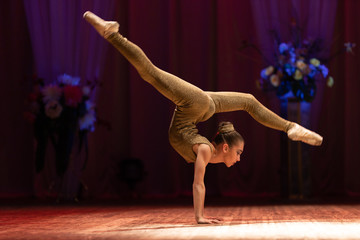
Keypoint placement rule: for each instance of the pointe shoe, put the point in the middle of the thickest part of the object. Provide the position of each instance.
(104, 28)
(299, 133)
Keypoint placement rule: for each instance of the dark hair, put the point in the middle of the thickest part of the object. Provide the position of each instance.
(227, 134)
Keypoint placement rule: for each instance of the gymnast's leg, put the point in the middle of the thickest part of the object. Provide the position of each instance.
(234, 101)
(183, 93)
(175, 89)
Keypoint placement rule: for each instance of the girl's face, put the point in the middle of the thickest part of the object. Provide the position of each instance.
(232, 155)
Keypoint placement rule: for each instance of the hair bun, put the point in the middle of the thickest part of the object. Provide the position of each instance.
(225, 127)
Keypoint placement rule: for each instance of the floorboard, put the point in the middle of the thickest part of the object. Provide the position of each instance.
(275, 221)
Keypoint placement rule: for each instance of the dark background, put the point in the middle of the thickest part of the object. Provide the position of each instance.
(198, 41)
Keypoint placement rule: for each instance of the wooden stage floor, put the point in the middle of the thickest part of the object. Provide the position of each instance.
(176, 221)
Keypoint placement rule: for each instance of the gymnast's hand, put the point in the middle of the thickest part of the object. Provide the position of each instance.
(208, 220)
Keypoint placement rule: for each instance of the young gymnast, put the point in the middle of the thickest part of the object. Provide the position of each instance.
(194, 105)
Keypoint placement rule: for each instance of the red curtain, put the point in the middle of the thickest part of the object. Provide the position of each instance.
(16, 144)
(351, 94)
(335, 164)
(198, 41)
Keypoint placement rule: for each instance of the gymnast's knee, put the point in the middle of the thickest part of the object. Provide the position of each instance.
(251, 102)
(203, 101)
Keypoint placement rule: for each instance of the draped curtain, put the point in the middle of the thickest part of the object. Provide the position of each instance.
(199, 41)
(315, 19)
(61, 41)
(16, 171)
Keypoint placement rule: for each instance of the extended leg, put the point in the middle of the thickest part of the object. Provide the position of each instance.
(177, 90)
(233, 101)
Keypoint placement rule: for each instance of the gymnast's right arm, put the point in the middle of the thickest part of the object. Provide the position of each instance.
(203, 157)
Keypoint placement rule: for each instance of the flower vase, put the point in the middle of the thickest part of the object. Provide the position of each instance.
(71, 182)
(295, 159)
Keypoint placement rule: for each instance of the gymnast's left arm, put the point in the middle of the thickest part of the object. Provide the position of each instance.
(203, 157)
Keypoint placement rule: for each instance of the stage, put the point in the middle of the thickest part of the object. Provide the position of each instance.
(176, 221)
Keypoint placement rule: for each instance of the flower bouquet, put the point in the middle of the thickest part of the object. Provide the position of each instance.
(297, 67)
(60, 112)
(295, 70)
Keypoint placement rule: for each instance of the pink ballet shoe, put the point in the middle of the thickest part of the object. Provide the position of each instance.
(104, 28)
(299, 133)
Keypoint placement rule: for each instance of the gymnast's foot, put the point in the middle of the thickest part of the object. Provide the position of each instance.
(299, 133)
(104, 28)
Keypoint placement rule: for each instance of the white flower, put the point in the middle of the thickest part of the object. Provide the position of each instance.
(301, 65)
(315, 62)
(86, 90)
(87, 121)
(275, 80)
(53, 109)
(298, 75)
(330, 81)
(68, 80)
(269, 70)
(51, 92)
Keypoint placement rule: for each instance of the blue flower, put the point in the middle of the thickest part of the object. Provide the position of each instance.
(313, 71)
(292, 55)
(89, 105)
(68, 80)
(324, 70)
(289, 69)
(87, 122)
(263, 73)
(283, 47)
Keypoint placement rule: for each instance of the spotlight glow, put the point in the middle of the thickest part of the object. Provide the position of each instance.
(282, 230)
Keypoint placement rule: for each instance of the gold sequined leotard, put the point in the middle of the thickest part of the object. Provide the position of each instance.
(193, 105)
